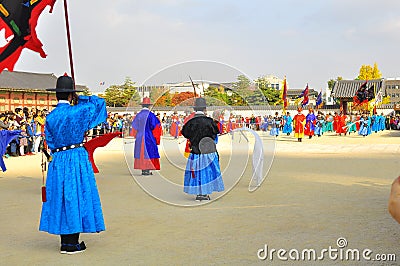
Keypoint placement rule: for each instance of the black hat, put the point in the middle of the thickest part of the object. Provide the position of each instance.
(200, 103)
(64, 84)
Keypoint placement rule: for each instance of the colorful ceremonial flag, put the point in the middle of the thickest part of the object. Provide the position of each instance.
(284, 95)
(361, 94)
(305, 96)
(102, 83)
(319, 102)
(18, 20)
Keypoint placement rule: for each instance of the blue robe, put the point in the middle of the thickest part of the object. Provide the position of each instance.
(144, 123)
(73, 203)
(275, 127)
(369, 125)
(318, 127)
(202, 173)
(374, 123)
(287, 128)
(264, 125)
(382, 123)
(364, 126)
(310, 118)
(6, 136)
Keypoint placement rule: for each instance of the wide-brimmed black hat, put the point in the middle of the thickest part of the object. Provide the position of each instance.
(64, 84)
(200, 103)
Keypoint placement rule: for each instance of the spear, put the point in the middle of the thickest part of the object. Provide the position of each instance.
(194, 88)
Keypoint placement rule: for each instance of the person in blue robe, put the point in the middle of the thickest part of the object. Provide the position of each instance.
(310, 123)
(364, 125)
(202, 174)
(287, 128)
(369, 125)
(276, 121)
(374, 123)
(6, 136)
(319, 124)
(382, 120)
(264, 124)
(147, 131)
(72, 203)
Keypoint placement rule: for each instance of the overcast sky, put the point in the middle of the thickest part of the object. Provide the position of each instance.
(309, 41)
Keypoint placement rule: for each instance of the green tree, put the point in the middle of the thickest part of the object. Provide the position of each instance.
(130, 93)
(121, 95)
(331, 82)
(113, 96)
(216, 96)
(246, 93)
(273, 96)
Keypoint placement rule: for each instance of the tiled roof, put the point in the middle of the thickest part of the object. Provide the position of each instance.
(28, 81)
(348, 88)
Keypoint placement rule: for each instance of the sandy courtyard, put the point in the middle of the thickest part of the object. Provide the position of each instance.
(316, 192)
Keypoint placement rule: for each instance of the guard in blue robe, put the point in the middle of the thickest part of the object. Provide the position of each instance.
(147, 131)
(374, 123)
(319, 125)
(382, 125)
(310, 123)
(6, 136)
(202, 173)
(287, 128)
(364, 126)
(276, 123)
(73, 203)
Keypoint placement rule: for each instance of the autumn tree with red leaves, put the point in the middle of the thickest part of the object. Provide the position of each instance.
(183, 98)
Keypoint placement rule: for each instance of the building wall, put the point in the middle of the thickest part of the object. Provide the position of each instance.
(9, 100)
(392, 87)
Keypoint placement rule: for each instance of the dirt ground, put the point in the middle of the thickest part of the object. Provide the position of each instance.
(316, 192)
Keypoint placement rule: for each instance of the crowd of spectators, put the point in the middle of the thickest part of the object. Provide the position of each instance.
(31, 122)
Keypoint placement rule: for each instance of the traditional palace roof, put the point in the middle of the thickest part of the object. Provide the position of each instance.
(17, 80)
(348, 88)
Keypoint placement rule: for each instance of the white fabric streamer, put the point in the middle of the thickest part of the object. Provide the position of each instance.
(258, 157)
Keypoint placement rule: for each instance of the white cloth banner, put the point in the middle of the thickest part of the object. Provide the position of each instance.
(258, 157)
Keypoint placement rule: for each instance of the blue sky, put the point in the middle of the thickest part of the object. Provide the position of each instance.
(308, 41)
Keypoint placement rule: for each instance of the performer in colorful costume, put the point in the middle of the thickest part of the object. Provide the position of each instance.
(287, 128)
(276, 121)
(175, 124)
(73, 203)
(336, 122)
(320, 121)
(6, 136)
(147, 131)
(203, 173)
(351, 124)
(187, 145)
(310, 123)
(364, 125)
(299, 121)
(375, 123)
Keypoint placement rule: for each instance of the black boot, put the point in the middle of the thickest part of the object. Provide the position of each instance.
(146, 172)
(70, 244)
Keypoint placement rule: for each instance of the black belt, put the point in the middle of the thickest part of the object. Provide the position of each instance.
(67, 147)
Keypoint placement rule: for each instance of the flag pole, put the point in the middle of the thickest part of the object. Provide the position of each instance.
(71, 63)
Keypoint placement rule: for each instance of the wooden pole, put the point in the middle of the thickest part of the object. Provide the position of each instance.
(71, 63)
